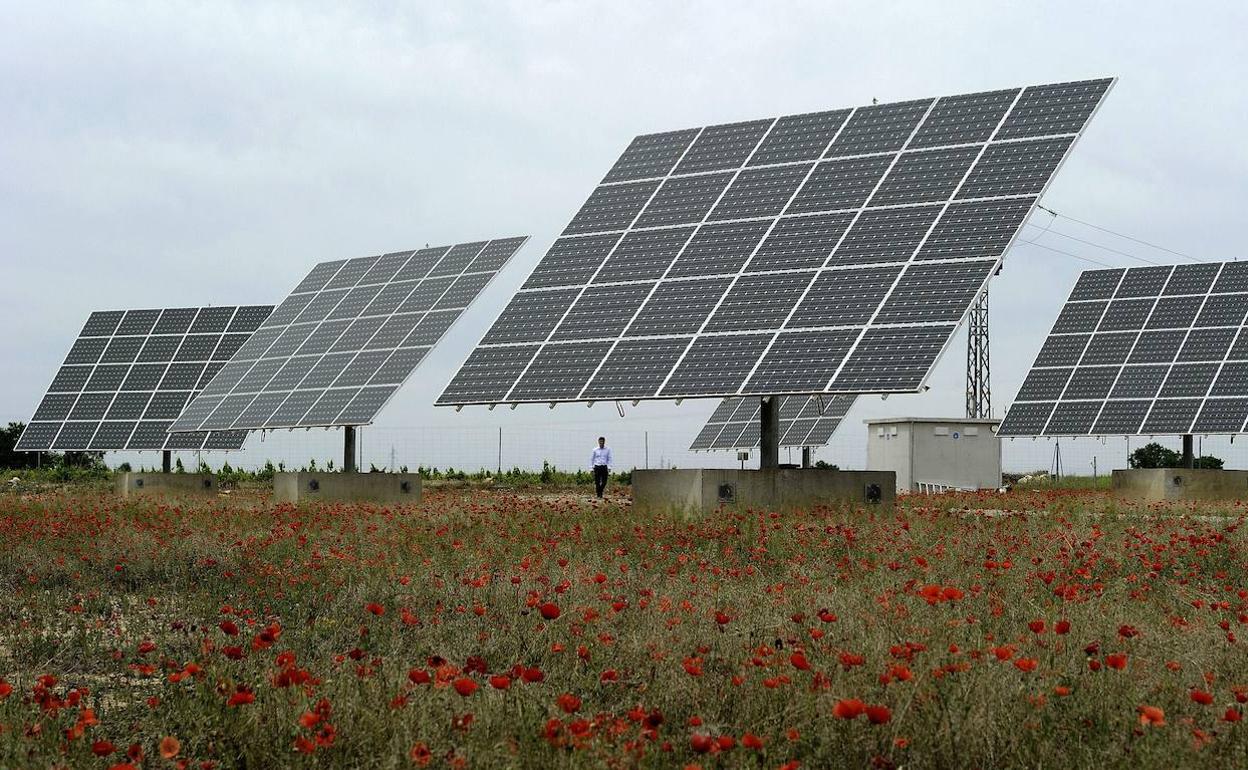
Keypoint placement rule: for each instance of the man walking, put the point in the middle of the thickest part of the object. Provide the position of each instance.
(600, 461)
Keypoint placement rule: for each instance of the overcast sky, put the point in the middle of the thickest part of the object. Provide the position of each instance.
(168, 153)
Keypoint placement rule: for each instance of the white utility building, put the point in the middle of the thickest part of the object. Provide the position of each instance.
(930, 454)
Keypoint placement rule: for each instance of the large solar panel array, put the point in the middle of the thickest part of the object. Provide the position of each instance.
(1142, 351)
(131, 372)
(833, 252)
(336, 350)
(805, 421)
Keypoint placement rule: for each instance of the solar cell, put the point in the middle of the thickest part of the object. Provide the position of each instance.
(881, 224)
(1164, 358)
(337, 349)
(129, 374)
(805, 421)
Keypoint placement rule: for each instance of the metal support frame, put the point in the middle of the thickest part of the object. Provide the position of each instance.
(806, 462)
(978, 388)
(1189, 457)
(166, 461)
(348, 449)
(769, 433)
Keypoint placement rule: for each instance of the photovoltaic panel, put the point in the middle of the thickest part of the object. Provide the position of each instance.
(805, 421)
(131, 372)
(336, 350)
(832, 252)
(1142, 351)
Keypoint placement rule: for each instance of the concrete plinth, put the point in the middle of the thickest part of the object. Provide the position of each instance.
(347, 487)
(1180, 484)
(166, 484)
(702, 490)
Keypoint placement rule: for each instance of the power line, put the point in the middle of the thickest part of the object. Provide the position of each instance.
(1067, 253)
(1140, 241)
(1090, 243)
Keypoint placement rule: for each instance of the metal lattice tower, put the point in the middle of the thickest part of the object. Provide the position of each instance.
(978, 388)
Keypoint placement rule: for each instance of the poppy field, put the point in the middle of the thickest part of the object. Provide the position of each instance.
(487, 628)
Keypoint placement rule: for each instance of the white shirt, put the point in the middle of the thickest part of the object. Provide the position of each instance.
(601, 456)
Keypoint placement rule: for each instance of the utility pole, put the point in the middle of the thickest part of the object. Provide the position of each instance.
(978, 389)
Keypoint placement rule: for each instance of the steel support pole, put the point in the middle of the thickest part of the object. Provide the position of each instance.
(1189, 457)
(978, 369)
(348, 449)
(166, 461)
(769, 433)
(806, 457)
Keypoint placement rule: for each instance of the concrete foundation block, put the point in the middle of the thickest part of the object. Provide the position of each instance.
(129, 484)
(1157, 484)
(400, 488)
(702, 490)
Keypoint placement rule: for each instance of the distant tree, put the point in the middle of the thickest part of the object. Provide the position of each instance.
(8, 440)
(1155, 455)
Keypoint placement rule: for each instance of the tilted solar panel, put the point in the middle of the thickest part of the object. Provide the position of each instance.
(805, 421)
(833, 252)
(1142, 351)
(336, 350)
(131, 372)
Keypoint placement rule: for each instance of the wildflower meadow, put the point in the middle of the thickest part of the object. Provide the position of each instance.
(534, 628)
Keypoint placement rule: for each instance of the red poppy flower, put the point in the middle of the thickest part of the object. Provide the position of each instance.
(752, 741)
(569, 703)
(1202, 697)
(1151, 715)
(375, 608)
(241, 698)
(799, 661)
(500, 682)
(848, 708)
(878, 715)
(1232, 715)
(420, 754)
(701, 742)
(1061, 627)
(549, 610)
(228, 627)
(1116, 661)
(170, 747)
(464, 686)
(1036, 626)
(1025, 664)
(103, 748)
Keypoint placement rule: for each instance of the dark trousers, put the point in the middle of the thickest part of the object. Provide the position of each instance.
(600, 479)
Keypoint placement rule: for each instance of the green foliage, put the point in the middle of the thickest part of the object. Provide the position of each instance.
(1155, 455)
(178, 467)
(10, 458)
(827, 465)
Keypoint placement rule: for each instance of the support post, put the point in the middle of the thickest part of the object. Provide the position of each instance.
(1189, 457)
(166, 461)
(500, 450)
(769, 433)
(348, 449)
(806, 457)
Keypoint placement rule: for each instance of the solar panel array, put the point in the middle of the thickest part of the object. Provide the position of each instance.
(131, 372)
(805, 421)
(1142, 351)
(833, 252)
(336, 350)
